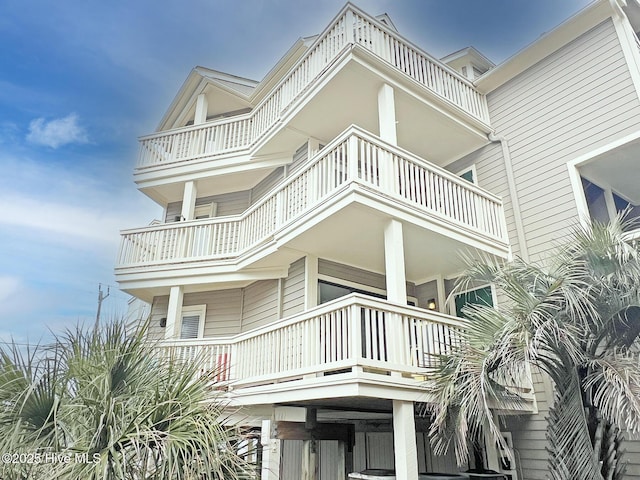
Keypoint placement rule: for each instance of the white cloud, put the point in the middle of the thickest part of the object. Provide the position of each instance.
(9, 285)
(57, 132)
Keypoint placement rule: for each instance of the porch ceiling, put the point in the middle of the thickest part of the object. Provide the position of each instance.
(360, 230)
(618, 169)
(349, 96)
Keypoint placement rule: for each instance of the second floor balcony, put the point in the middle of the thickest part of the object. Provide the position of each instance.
(391, 180)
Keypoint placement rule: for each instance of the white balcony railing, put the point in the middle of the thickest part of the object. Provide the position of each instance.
(354, 158)
(349, 28)
(352, 331)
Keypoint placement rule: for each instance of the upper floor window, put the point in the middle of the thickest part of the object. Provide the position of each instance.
(469, 174)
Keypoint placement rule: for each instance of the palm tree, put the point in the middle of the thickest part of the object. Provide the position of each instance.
(577, 319)
(101, 404)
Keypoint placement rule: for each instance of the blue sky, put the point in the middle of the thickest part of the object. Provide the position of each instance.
(80, 80)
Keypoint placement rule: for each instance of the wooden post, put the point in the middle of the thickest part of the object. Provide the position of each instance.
(270, 453)
(310, 447)
(309, 460)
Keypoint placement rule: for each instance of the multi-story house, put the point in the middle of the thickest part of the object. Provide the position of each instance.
(314, 224)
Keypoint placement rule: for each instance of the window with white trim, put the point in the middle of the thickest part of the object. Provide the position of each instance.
(207, 210)
(477, 296)
(469, 174)
(192, 321)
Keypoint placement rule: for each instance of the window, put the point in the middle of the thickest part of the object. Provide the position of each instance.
(206, 210)
(328, 291)
(478, 296)
(192, 321)
(469, 174)
(596, 201)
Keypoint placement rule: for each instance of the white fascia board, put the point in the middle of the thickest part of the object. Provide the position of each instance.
(209, 275)
(194, 169)
(569, 30)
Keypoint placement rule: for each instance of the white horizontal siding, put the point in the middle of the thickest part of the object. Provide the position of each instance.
(223, 310)
(159, 308)
(351, 274)
(260, 304)
(270, 181)
(293, 289)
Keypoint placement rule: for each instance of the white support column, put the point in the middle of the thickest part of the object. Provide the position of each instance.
(396, 291)
(189, 200)
(442, 294)
(404, 440)
(387, 114)
(270, 453)
(313, 147)
(394, 262)
(310, 282)
(202, 105)
(174, 311)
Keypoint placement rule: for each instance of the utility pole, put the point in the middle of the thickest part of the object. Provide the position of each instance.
(101, 297)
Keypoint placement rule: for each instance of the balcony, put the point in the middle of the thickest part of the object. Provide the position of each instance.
(356, 340)
(355, 162)
(351, 28)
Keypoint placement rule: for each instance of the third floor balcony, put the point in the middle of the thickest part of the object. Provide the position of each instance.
(333, 85)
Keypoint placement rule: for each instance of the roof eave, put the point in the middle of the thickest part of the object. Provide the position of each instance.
(569, 30)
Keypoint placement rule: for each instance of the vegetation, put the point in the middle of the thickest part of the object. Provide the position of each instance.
(577, 319)
(101, 404)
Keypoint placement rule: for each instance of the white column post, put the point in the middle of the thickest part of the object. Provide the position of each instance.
(396, 291)
(442, 294)
(270, 453)
(404, 440)
(313, 147)
(202, 106)
(387, 114)
(189, 200)
(174, 310)
(394, 262)
(387, 130)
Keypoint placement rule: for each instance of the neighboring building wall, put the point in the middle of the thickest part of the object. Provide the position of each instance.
(573, 101)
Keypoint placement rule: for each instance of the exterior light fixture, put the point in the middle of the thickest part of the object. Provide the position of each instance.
(163, 322)
(431, 304)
